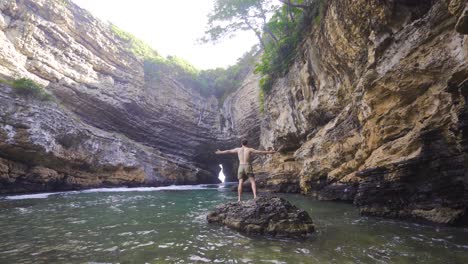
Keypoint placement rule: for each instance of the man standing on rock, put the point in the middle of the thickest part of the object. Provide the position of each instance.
(245, 167)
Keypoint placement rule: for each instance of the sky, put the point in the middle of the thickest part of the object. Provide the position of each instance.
(172, 28)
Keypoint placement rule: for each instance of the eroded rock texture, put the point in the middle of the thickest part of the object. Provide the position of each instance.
(265, 216)
(118, 120)
(45, 148)
(239, 119)
(374, 110)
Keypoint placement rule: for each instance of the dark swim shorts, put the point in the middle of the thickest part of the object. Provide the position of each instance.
(244, 171)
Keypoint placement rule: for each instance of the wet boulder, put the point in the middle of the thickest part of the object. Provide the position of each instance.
(265, 216)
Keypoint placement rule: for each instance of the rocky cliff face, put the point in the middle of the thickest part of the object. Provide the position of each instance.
(374, 110)
(239, 119)
(116, 121)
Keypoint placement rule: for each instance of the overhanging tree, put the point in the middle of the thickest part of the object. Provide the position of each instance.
(279, 26)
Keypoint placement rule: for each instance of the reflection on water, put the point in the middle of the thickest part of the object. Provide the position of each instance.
(169, 225)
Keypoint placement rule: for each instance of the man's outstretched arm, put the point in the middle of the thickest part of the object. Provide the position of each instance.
(230, 151)
(264, 151)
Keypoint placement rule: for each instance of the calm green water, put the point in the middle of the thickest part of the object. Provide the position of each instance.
(169, 226)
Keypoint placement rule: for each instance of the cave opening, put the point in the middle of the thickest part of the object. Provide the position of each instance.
(221, 176)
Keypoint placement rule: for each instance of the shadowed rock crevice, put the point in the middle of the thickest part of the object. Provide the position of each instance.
(429, 187)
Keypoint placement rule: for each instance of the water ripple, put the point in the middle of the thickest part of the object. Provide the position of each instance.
(142, 226)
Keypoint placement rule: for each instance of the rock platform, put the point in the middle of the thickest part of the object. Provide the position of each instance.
(272, 216)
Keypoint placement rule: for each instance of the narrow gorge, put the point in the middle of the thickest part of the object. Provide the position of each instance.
(371, 111)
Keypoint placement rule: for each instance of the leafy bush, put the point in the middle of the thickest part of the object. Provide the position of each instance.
(156, 65)
(30, 88)
(218, 82)
(266, 82)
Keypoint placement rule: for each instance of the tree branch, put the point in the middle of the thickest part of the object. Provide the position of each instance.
(265, 24)
(259, 36)
(291, 16)
(288, 3)
(270, 33)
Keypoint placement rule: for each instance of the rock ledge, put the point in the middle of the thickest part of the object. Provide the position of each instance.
(266, 216)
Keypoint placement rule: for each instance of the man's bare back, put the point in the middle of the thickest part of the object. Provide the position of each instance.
(244, 154)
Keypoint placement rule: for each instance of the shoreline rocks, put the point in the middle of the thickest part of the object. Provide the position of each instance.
(271, 216)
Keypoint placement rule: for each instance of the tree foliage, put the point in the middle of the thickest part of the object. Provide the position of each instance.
(221, 82)
(288, 23)
(230, 16)
(218, 82)
(277, 56)
(279, 29)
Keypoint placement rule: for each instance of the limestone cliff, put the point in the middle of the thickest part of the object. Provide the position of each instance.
(374, 110)
(116, 120)
(239, 119)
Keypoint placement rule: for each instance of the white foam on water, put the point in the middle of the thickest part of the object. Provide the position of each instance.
(147, 189)
(106, 190)
(34, 196)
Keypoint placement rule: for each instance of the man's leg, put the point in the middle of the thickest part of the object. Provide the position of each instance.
(254, 187)
(239, 189)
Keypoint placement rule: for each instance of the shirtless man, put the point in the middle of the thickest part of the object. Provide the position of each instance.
(245, 167)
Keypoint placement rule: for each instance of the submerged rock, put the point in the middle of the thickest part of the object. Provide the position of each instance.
(265, 215)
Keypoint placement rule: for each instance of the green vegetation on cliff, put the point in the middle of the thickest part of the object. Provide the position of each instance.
(288, 24)
(280, 30)
(279, 36)
(135, 45)
(221, 82)
(28, 87)
(218, 82)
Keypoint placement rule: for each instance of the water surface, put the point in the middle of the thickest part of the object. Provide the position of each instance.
(168, 225)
